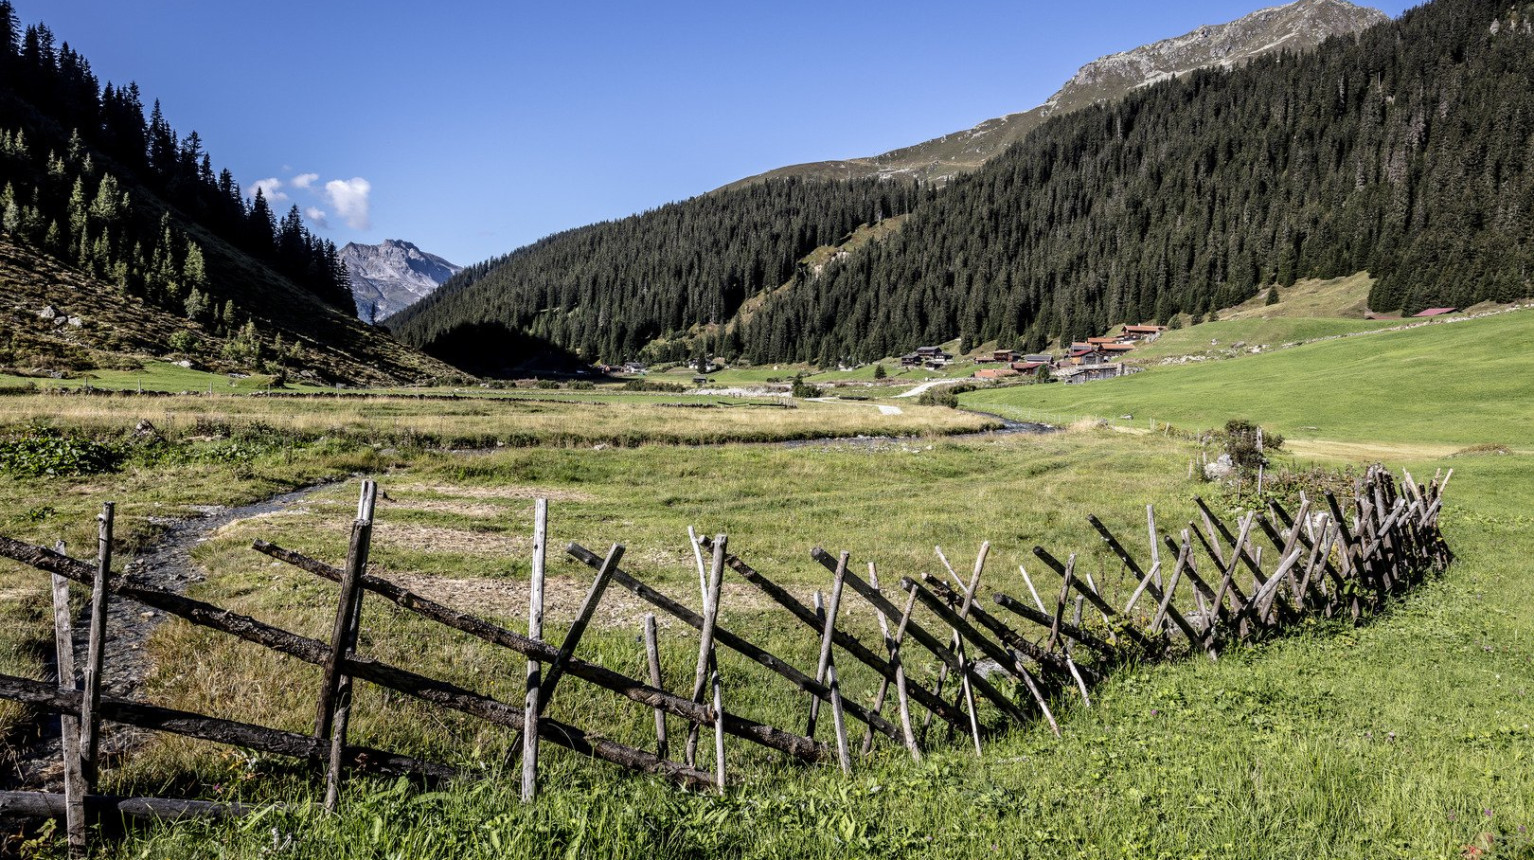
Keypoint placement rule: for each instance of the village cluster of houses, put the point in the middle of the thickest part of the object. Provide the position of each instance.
(1094, 358)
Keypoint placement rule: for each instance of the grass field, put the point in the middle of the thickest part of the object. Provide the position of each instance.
(520, 419)
(1449, 385)
(1408, 737)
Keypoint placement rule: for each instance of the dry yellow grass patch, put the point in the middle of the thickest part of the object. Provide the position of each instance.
(1367, 452)
(466, 492)
(438, 539)
(562, 598)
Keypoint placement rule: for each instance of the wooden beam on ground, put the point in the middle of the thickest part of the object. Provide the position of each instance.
(37, 804)
(38, 694)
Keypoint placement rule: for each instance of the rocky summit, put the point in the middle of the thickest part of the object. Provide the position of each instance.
(392, 275)
(1297, 26)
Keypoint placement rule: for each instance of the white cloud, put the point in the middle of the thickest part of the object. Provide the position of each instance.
(317, 215)
(303, 180)
(269, 188)
(349, 198)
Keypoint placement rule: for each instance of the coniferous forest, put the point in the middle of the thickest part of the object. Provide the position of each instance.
(610, 289)
(88, 178)
(1407, 151)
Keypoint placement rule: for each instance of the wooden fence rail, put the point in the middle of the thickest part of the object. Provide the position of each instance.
(1199, 590)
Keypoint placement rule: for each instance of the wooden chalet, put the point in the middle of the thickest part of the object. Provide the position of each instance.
(926, 356)
(1142, 332)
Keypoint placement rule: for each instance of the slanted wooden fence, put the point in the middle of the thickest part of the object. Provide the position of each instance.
(1197, 590)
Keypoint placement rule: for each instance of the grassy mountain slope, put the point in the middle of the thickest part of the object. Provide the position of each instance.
(120, 331)
(98, 194)
(1402, 152)
(1295, 26)
(1197, 193)
(1451, 384)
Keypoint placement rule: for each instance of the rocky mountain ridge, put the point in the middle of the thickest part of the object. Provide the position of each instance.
(392, 275)
(1296, 26)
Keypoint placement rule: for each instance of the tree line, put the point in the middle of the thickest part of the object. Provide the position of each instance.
(88, 178)
(1407, 151)
(647, 284)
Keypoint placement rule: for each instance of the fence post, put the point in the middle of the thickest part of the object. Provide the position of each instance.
(652, 652)
(706, 642)
(69, 726)
(333, 714)
(90, 705)
(532, 705)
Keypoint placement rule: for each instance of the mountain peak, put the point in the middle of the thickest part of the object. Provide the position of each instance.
(392, 275)
(1296, 26)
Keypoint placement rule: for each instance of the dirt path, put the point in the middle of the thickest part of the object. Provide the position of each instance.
(167, 565)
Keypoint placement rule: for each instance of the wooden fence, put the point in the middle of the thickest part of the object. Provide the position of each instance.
(1199, 590)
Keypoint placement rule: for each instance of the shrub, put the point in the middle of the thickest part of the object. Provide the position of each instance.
(1246, 443)
(44, 451)
(582, 385)
(804, 389)
(879, 371)
(647, 385)
(947, 395)
(939, 397)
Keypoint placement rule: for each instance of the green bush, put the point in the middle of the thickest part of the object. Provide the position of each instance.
(804, 389)
(939, 397)
(184, 341)
(44, 451)
(947, 395)
(1246, 443)
(647, 385)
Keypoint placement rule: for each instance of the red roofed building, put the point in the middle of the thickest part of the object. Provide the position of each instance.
(1436, 312)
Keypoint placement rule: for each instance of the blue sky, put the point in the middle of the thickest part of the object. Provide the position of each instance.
(472, 127)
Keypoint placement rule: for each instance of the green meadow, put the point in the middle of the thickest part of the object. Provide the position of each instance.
(1409, 736)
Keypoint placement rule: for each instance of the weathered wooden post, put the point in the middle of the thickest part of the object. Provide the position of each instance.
(652, 653)
(95, 653)
(333, 714)
(532, 704)
(706, 641)
(69, 726)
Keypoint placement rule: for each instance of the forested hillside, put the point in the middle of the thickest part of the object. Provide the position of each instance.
(88, 179)
(1405, 151)
(608, 290)
(1408, 153)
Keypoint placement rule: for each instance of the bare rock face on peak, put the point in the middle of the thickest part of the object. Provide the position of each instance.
(391, 276)
(1296, 26)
